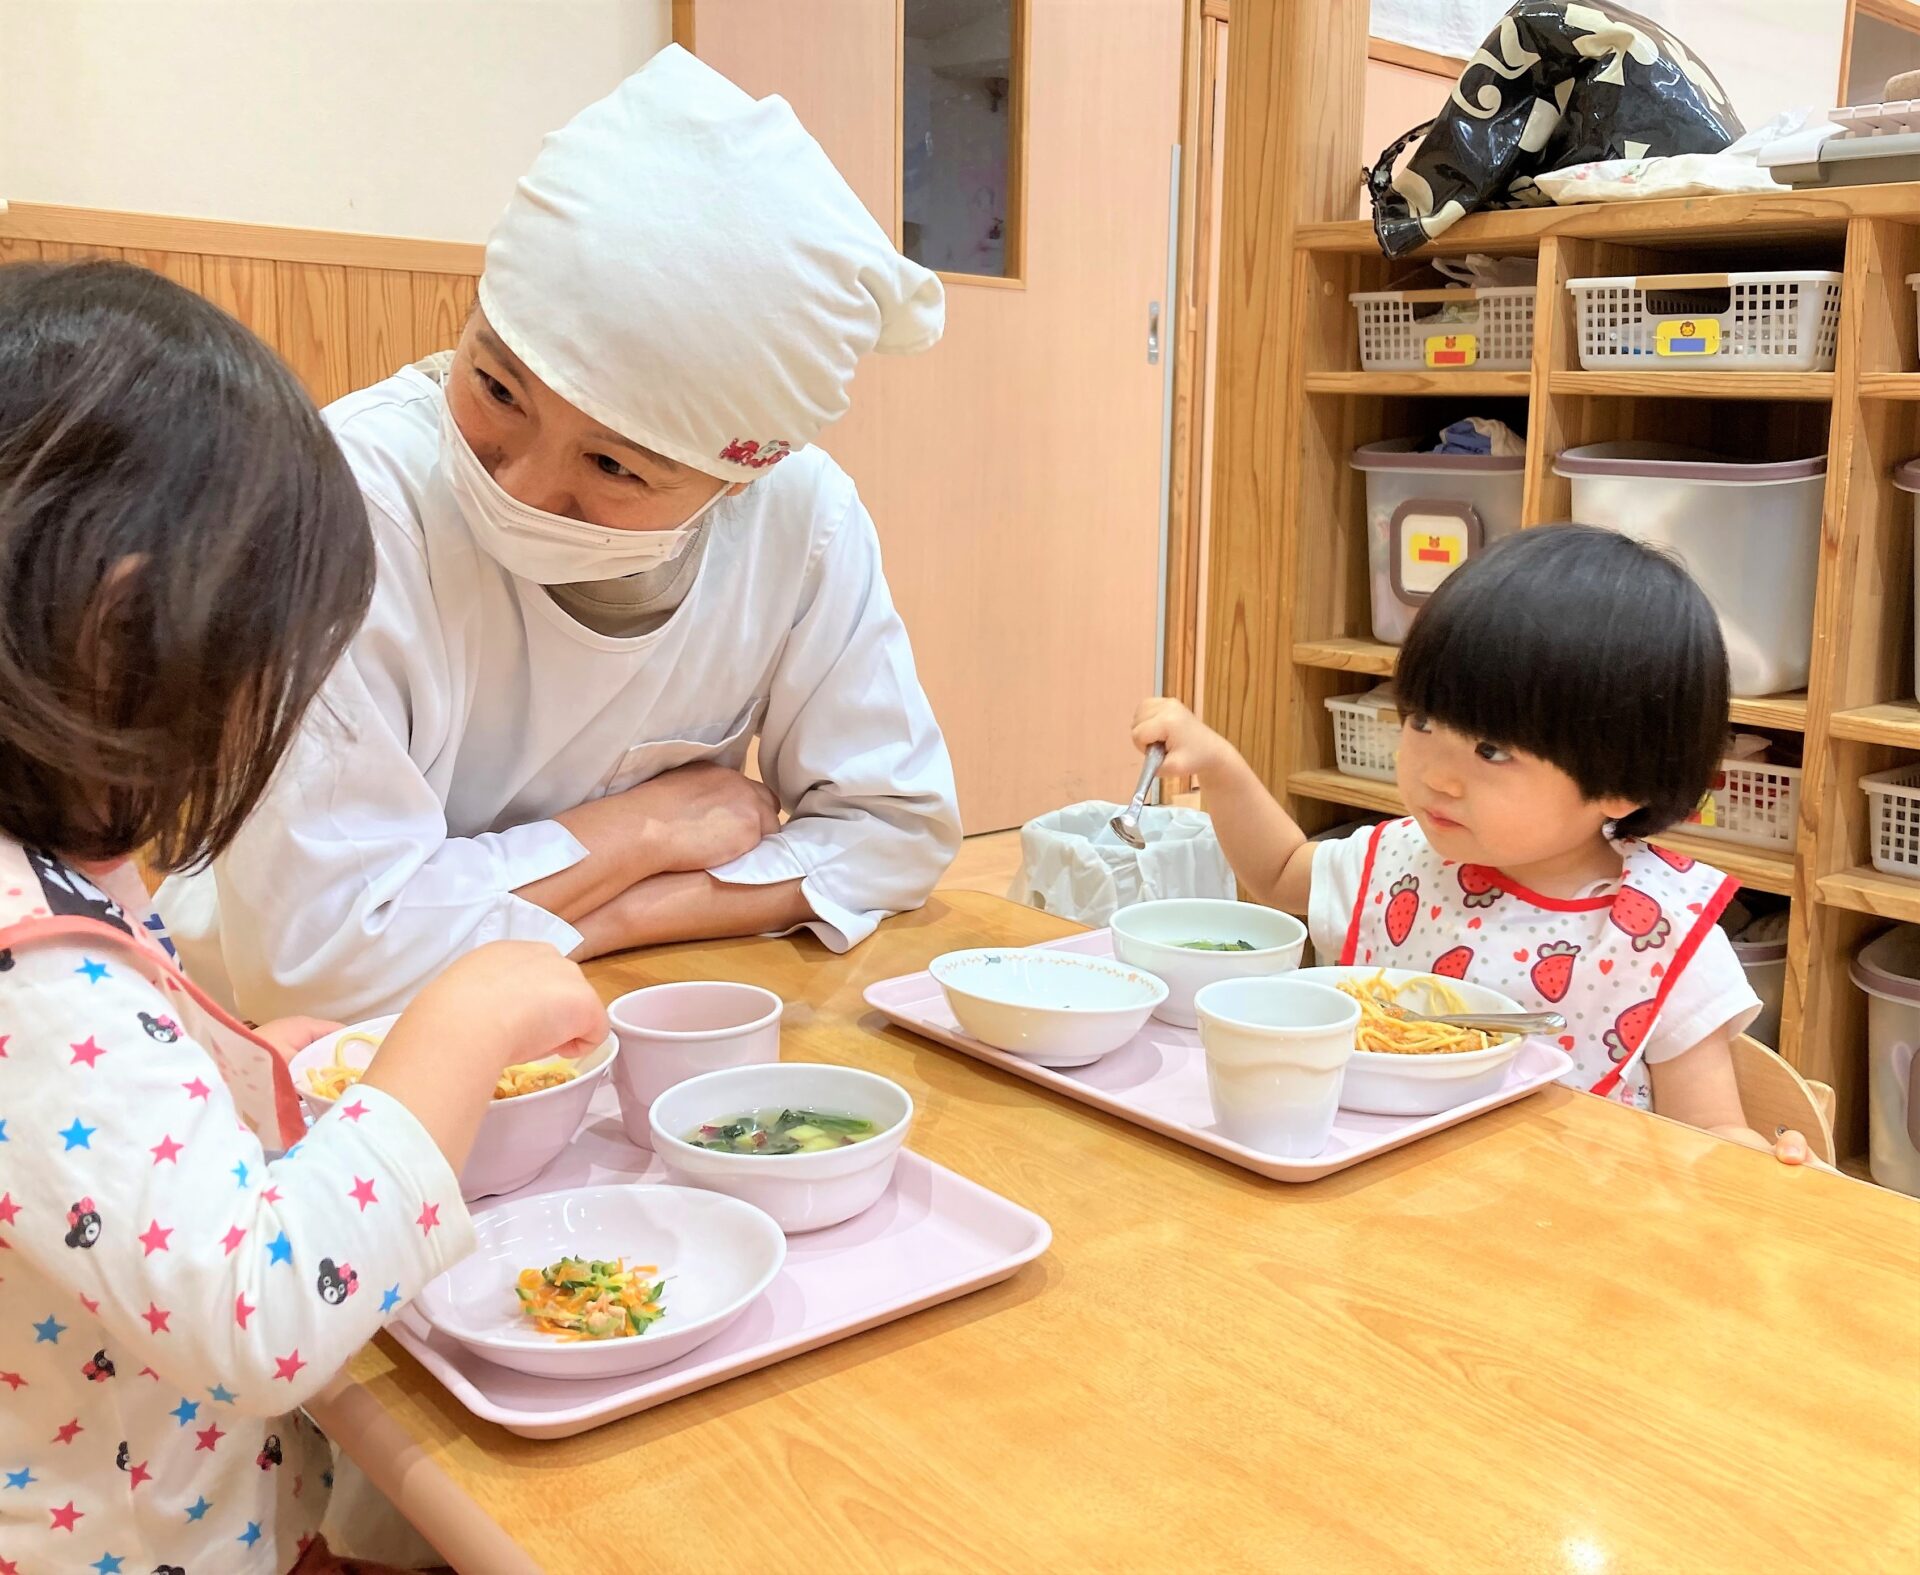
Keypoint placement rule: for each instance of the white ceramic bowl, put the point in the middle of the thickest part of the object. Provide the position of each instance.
(1149, 935)
(716, 1254)
(1053, 1008)
(518, 1137)
(1277, 1052)
(1423, 1085)
(801, 1191)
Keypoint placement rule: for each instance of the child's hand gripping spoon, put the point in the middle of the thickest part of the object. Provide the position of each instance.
(1126, 824)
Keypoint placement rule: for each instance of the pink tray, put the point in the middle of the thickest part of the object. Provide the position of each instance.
(1159, 1080)
(933, 1235)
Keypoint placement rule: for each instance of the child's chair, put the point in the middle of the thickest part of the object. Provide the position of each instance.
(1774, 1095)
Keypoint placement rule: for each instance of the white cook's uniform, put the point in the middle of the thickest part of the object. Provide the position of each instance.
(470, 708)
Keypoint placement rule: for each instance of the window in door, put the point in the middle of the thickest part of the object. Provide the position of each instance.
(961, 178)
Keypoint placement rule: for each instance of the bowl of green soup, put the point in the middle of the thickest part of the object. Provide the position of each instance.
(1192, 942)
(812, 1145)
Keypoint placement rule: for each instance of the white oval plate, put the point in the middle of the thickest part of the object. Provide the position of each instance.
(716, 1254)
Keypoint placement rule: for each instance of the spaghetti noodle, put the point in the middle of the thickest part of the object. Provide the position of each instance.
(1386, 1029)
(525, 1077)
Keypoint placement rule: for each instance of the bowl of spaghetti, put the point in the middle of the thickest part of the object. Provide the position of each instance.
(1402, 1068)
(537, 1105)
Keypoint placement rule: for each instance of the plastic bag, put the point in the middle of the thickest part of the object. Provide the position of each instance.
(1555, 84)
(1074, 866)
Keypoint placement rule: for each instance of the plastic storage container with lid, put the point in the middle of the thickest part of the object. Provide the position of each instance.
(1888, 969)
(1426, 515)
(1749, 533)
(1760, 947)
(1907, 478)
(1783, 320)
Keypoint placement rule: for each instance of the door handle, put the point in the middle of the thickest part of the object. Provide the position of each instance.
(1153, 333)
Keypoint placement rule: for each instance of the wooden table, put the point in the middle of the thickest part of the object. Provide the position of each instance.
(1563, 1337)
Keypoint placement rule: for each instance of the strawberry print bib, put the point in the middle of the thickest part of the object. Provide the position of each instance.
(1606, 963)
(43, 898)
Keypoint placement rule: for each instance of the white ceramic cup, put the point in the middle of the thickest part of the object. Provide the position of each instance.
(671, 1032)
(1277, 1053)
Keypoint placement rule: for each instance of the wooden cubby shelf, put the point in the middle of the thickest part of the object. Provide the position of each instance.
(1785, 712)
(1866, 890)
(1478, 385)
(1309, 643)
(1893, 722)
(1695, 385)
(1890, 385)
(1756, 867)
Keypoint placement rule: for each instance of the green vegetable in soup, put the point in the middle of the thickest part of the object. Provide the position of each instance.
(1217, 946)
(779, 1130)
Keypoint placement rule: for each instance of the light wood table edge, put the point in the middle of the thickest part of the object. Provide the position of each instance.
(457, 1525)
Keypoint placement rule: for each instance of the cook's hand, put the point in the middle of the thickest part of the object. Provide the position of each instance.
(1193, 748)
(704, 815)
(290, 1035)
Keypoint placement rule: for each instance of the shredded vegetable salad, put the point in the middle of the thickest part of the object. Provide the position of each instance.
(588, 1299)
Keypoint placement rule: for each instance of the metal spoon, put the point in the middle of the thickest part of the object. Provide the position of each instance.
(1493, 1022)
(1126, 824)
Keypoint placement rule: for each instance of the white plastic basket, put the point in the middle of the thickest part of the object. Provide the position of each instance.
(1895, 797)
(1452, 330)
(1782, 321)
(1751, 801)
(1366, 735)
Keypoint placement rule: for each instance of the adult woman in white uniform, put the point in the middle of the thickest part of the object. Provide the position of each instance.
(608, 560)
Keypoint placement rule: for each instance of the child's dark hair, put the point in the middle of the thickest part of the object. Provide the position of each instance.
(1588, 649)
(183, 556)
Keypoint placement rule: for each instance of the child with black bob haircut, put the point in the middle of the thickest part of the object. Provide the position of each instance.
(183, 555)
(1563, 697)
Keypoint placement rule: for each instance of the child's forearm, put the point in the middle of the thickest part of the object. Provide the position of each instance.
(1257, 835)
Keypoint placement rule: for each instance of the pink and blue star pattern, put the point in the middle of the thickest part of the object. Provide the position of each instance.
(170, 1293)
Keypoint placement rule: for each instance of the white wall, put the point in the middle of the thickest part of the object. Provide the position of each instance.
(398, 117)
(1770, 55)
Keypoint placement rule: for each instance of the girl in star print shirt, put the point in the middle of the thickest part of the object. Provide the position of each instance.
(183, 555)
(1564, 697)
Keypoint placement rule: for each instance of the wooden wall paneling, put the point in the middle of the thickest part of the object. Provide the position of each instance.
(244, 286)
(311, 299)
(183, 268)
(1294, 96)
(441, 302)
(381, 324)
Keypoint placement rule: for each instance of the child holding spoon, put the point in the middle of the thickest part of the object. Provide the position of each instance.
(1563, 699)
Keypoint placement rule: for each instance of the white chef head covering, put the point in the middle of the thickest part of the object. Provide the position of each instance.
(685, 265)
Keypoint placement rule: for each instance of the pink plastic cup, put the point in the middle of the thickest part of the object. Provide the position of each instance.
(671, 1032)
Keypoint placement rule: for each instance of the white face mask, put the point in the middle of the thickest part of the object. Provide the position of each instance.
(550, 549)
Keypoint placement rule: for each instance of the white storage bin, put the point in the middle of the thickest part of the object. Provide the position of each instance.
(1907, 479)
(1426, 515)
(1751, 801)
(1760, 945)
(1366, 734)
(1895, 842)
(1460, 329)
(1781, 321)
(1749, 533)
(1888, 969)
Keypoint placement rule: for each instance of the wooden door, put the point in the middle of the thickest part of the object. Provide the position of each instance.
(1015, 471)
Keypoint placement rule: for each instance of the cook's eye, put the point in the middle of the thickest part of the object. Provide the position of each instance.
(496, 390)
(609, 466)
(1420, 723)
(1493, 754)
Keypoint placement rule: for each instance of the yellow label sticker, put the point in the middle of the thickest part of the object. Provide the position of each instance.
(1687, 336)
(1453, 350)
